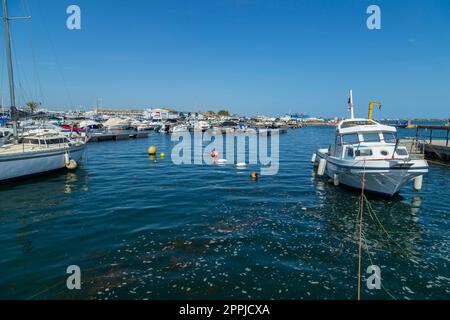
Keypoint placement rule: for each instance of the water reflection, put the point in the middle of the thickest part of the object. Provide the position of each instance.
(40, 193)
(389, 225)
(30, 202)
(22, 235)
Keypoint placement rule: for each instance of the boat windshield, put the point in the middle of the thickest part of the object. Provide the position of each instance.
(353, 123)
(370, 136)
(350, 138)
(401, 152)
(389, 137)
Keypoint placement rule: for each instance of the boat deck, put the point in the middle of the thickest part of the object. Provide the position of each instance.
(22, 148)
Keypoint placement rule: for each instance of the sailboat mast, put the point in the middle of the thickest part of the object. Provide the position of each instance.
(10, 67)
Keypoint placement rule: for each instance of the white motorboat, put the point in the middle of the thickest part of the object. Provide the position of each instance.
(5, 135)
(179, 128)
(201, 125)
(38, 153)
(116, 124)
(144, 126)
(89, 125)
(163, 128)
(367, 154)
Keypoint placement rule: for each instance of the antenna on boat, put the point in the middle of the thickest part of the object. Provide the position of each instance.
(13, 112)
(350, 104)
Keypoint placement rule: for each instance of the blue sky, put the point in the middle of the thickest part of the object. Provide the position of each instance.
(248, 56)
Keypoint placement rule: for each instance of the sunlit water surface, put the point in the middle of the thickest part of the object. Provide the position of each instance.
(141, 229)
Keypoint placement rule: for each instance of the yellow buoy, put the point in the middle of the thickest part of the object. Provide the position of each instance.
(152, 150)
(162, 155)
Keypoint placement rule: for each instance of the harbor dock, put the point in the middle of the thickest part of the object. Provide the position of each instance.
(433, 141)
(257, 130)
(99, 137)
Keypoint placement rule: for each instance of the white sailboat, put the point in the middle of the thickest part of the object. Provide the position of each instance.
(38, 152)
(365, 154)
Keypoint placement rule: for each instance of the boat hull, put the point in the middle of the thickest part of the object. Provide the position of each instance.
(383, 177)
(18, 166)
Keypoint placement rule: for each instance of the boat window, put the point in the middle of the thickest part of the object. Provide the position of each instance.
(401, 152)
(31, 141)
(338, 140)
(353, 123)
(350, 152)
(350, 138)
(371, 136)
(363, 152)
(389, 137)
(55, 141)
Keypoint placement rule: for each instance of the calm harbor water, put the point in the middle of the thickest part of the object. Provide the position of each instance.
(141, 229)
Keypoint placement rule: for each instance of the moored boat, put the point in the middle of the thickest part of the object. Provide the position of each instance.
(366, 154)
(35, 152)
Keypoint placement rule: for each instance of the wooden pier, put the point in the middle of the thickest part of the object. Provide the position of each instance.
(434, 147)
(257, 131)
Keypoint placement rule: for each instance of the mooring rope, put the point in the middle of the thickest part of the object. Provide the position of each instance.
(366, 247)
(362, 235)
(375, 218)
(361, 210)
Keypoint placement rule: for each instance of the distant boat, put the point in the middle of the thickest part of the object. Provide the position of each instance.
(118, 124)
(395, 123)
(179, 128)
(201, 125)
(5, 135)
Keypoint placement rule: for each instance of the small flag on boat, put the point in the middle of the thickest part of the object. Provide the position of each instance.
(350, 101)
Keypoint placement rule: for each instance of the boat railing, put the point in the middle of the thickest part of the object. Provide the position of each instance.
(414, 145)
(439, 134)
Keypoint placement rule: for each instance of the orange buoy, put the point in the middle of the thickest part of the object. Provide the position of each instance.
(254, 175)
(214, 153)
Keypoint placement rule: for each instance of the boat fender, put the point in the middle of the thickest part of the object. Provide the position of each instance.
(66, 158)
(418, 182)
(71, 165)
(322, 166)
(313, 158)
(336, 179)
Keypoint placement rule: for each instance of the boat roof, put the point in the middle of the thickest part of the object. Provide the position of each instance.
(362, 125)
